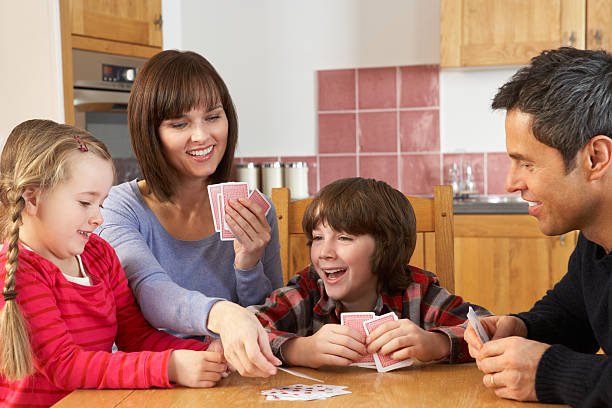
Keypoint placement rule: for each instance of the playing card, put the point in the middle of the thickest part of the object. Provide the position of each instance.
(301, 392)
(260, 200)
(355, 320)
(475, 322)
(297, 374)
(213, 191)
(230, 191)
(383, 362)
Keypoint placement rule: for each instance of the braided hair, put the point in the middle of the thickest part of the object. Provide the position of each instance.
(36, 155)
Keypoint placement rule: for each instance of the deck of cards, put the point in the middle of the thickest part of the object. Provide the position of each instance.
(365, 323)
(301, 392)
(220, 194)
(475, 322)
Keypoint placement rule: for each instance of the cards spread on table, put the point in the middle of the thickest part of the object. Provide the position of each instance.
(475, 322)
(219, 196)
(366, 323)
(302, 392)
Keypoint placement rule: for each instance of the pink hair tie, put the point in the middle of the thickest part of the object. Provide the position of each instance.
(82, 145)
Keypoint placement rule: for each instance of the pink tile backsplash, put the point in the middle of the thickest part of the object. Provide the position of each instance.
(498, 165)
(379, 167)
(419, 130)
(336, 89)
(377, 88)
(377, 132)
(366, 114)
(419, 173)
(335, 167)
(419, 86)
(337, 133)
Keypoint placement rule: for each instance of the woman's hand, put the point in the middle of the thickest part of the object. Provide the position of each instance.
(247, 221)
(402, 339)
(196, 369)
(332, 344)
(245, 342)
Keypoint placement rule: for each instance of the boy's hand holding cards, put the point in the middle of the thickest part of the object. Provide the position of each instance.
(356, 320)
(219, 196)
(381, 362)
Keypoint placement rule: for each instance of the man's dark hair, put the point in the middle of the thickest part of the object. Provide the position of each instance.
(569, 94)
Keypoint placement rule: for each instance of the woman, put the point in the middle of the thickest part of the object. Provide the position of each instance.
(183, 129)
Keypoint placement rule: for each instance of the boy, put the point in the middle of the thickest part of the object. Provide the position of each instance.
(362, 233)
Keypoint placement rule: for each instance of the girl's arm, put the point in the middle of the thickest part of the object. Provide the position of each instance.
(89, 364)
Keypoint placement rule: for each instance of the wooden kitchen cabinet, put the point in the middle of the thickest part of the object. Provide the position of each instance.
(507, 32)
(504, 263)
(132, 28)
(133, 22)
(599, 25)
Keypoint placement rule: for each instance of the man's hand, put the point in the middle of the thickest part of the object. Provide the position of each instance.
(510, 366)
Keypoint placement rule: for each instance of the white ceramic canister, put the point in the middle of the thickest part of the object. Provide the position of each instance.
(271, 176)
(249, 173)
(296, 179)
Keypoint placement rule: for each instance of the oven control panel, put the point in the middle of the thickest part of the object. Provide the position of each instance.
(116, 73)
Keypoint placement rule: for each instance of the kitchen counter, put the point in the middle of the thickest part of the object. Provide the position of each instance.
(492, 204)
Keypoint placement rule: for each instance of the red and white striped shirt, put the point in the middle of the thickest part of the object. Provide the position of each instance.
(72, 329)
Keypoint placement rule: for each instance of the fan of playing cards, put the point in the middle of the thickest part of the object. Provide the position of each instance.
(301, 392)
(220, 194)
(365, 323)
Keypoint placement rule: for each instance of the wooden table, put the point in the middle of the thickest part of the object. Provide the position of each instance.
(437, 385)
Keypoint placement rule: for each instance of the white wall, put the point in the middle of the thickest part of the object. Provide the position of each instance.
(268, 52)
(467, 123)
(30, 71)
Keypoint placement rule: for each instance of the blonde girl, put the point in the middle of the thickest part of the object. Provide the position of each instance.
(65, 299)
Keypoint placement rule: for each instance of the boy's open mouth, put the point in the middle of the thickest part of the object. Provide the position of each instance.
(333, 274)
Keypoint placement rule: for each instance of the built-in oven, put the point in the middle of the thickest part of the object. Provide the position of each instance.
(102, 84)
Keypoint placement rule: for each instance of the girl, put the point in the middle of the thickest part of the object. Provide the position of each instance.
(184, 130)
(65, 297)
(362, 233)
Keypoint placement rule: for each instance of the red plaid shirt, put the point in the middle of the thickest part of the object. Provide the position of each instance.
(303, 307)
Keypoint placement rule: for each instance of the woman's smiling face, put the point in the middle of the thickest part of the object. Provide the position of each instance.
(194, 143)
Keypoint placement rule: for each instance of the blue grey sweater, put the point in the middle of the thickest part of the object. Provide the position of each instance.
(176, 282)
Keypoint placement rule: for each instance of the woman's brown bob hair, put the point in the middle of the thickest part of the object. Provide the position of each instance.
(168, 85)
(359, 206)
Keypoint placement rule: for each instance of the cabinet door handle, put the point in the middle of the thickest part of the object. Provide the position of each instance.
(598, 36)
(158, 21)
(562, 240)
(572, 39)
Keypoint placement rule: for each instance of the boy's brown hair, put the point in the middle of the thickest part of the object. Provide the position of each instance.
(171, 83)
(359, 206)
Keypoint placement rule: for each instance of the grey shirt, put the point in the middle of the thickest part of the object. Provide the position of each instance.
(177, 282)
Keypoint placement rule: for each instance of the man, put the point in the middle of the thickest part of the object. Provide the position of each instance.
(558, 137)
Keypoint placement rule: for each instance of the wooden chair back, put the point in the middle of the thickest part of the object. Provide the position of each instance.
(434, 223)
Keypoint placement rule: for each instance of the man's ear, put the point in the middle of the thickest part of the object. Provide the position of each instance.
(599, 151)
(31, 196)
